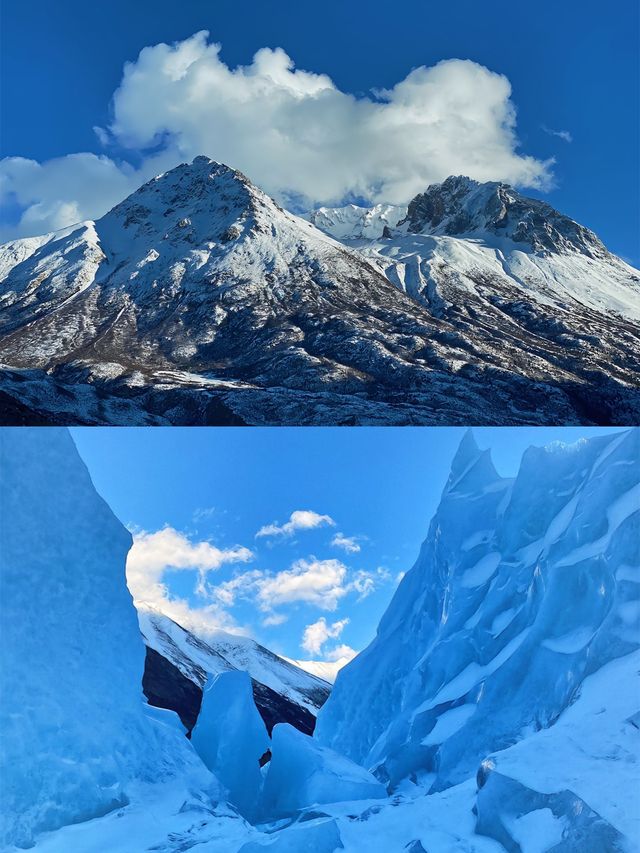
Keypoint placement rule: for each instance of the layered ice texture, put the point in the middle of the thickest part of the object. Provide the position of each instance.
(231, 737)
(74, 730)
(524, 596)
(302, 774)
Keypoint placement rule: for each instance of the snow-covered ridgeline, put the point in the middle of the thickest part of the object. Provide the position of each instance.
(282, 690)
(198, 299)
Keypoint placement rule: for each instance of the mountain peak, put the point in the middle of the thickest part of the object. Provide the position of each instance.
(460, 205)
(199, 202)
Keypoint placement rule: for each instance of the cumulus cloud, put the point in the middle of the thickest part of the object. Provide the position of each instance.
(300, 519)
(347, 543)
(317, 634)
(153, 554)
(341, 655)
(293, 132)
(318, 583)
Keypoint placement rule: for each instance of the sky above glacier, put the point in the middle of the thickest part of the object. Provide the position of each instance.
(320, 103)
(297, 537)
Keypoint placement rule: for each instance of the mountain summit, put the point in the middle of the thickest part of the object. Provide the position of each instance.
(460, 206)
(198, 299)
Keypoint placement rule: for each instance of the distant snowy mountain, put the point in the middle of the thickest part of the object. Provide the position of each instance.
(511, 649)
(464, 243)
(282, 691)
(353, 222)
(328, 670)
(199, 300)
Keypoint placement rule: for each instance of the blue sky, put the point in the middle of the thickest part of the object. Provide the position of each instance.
(573, 69)
(220, 487)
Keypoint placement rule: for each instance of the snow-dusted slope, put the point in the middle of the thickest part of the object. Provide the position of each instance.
(282, 691)
(352, 222)
(327, 670)
(199, 300)
(75, 739)
(461, 236)
(523, 591)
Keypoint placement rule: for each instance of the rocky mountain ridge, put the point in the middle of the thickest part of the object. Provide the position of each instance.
(178, 664)
(200, 300)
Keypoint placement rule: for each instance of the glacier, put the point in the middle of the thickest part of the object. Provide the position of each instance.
(231, 738)
(75, 735)
(525, 591)
(497, 708)
(302, 774)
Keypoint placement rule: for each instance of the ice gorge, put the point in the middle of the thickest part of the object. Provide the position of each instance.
(497, 708)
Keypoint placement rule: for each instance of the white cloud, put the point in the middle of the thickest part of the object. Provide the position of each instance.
(318, 582)
(317, 634)
(561, 134)
(300, 519)
(274, 619)
(154, 554)
(204, 513)
(347, 543)
(293, 132)
(341, 655)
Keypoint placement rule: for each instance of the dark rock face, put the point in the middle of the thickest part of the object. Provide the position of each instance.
(275, 708)
(166, 687)
(461, 206)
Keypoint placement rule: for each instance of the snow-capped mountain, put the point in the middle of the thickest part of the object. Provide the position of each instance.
(199, 300)
(282, 691)
(511, 648)
(352, 222)
(460, 236)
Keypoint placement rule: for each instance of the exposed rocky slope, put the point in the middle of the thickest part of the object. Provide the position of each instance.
(199, 300)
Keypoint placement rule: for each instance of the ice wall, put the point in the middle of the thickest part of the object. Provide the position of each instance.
(522, 589)
(302, 774)
(72, 728)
